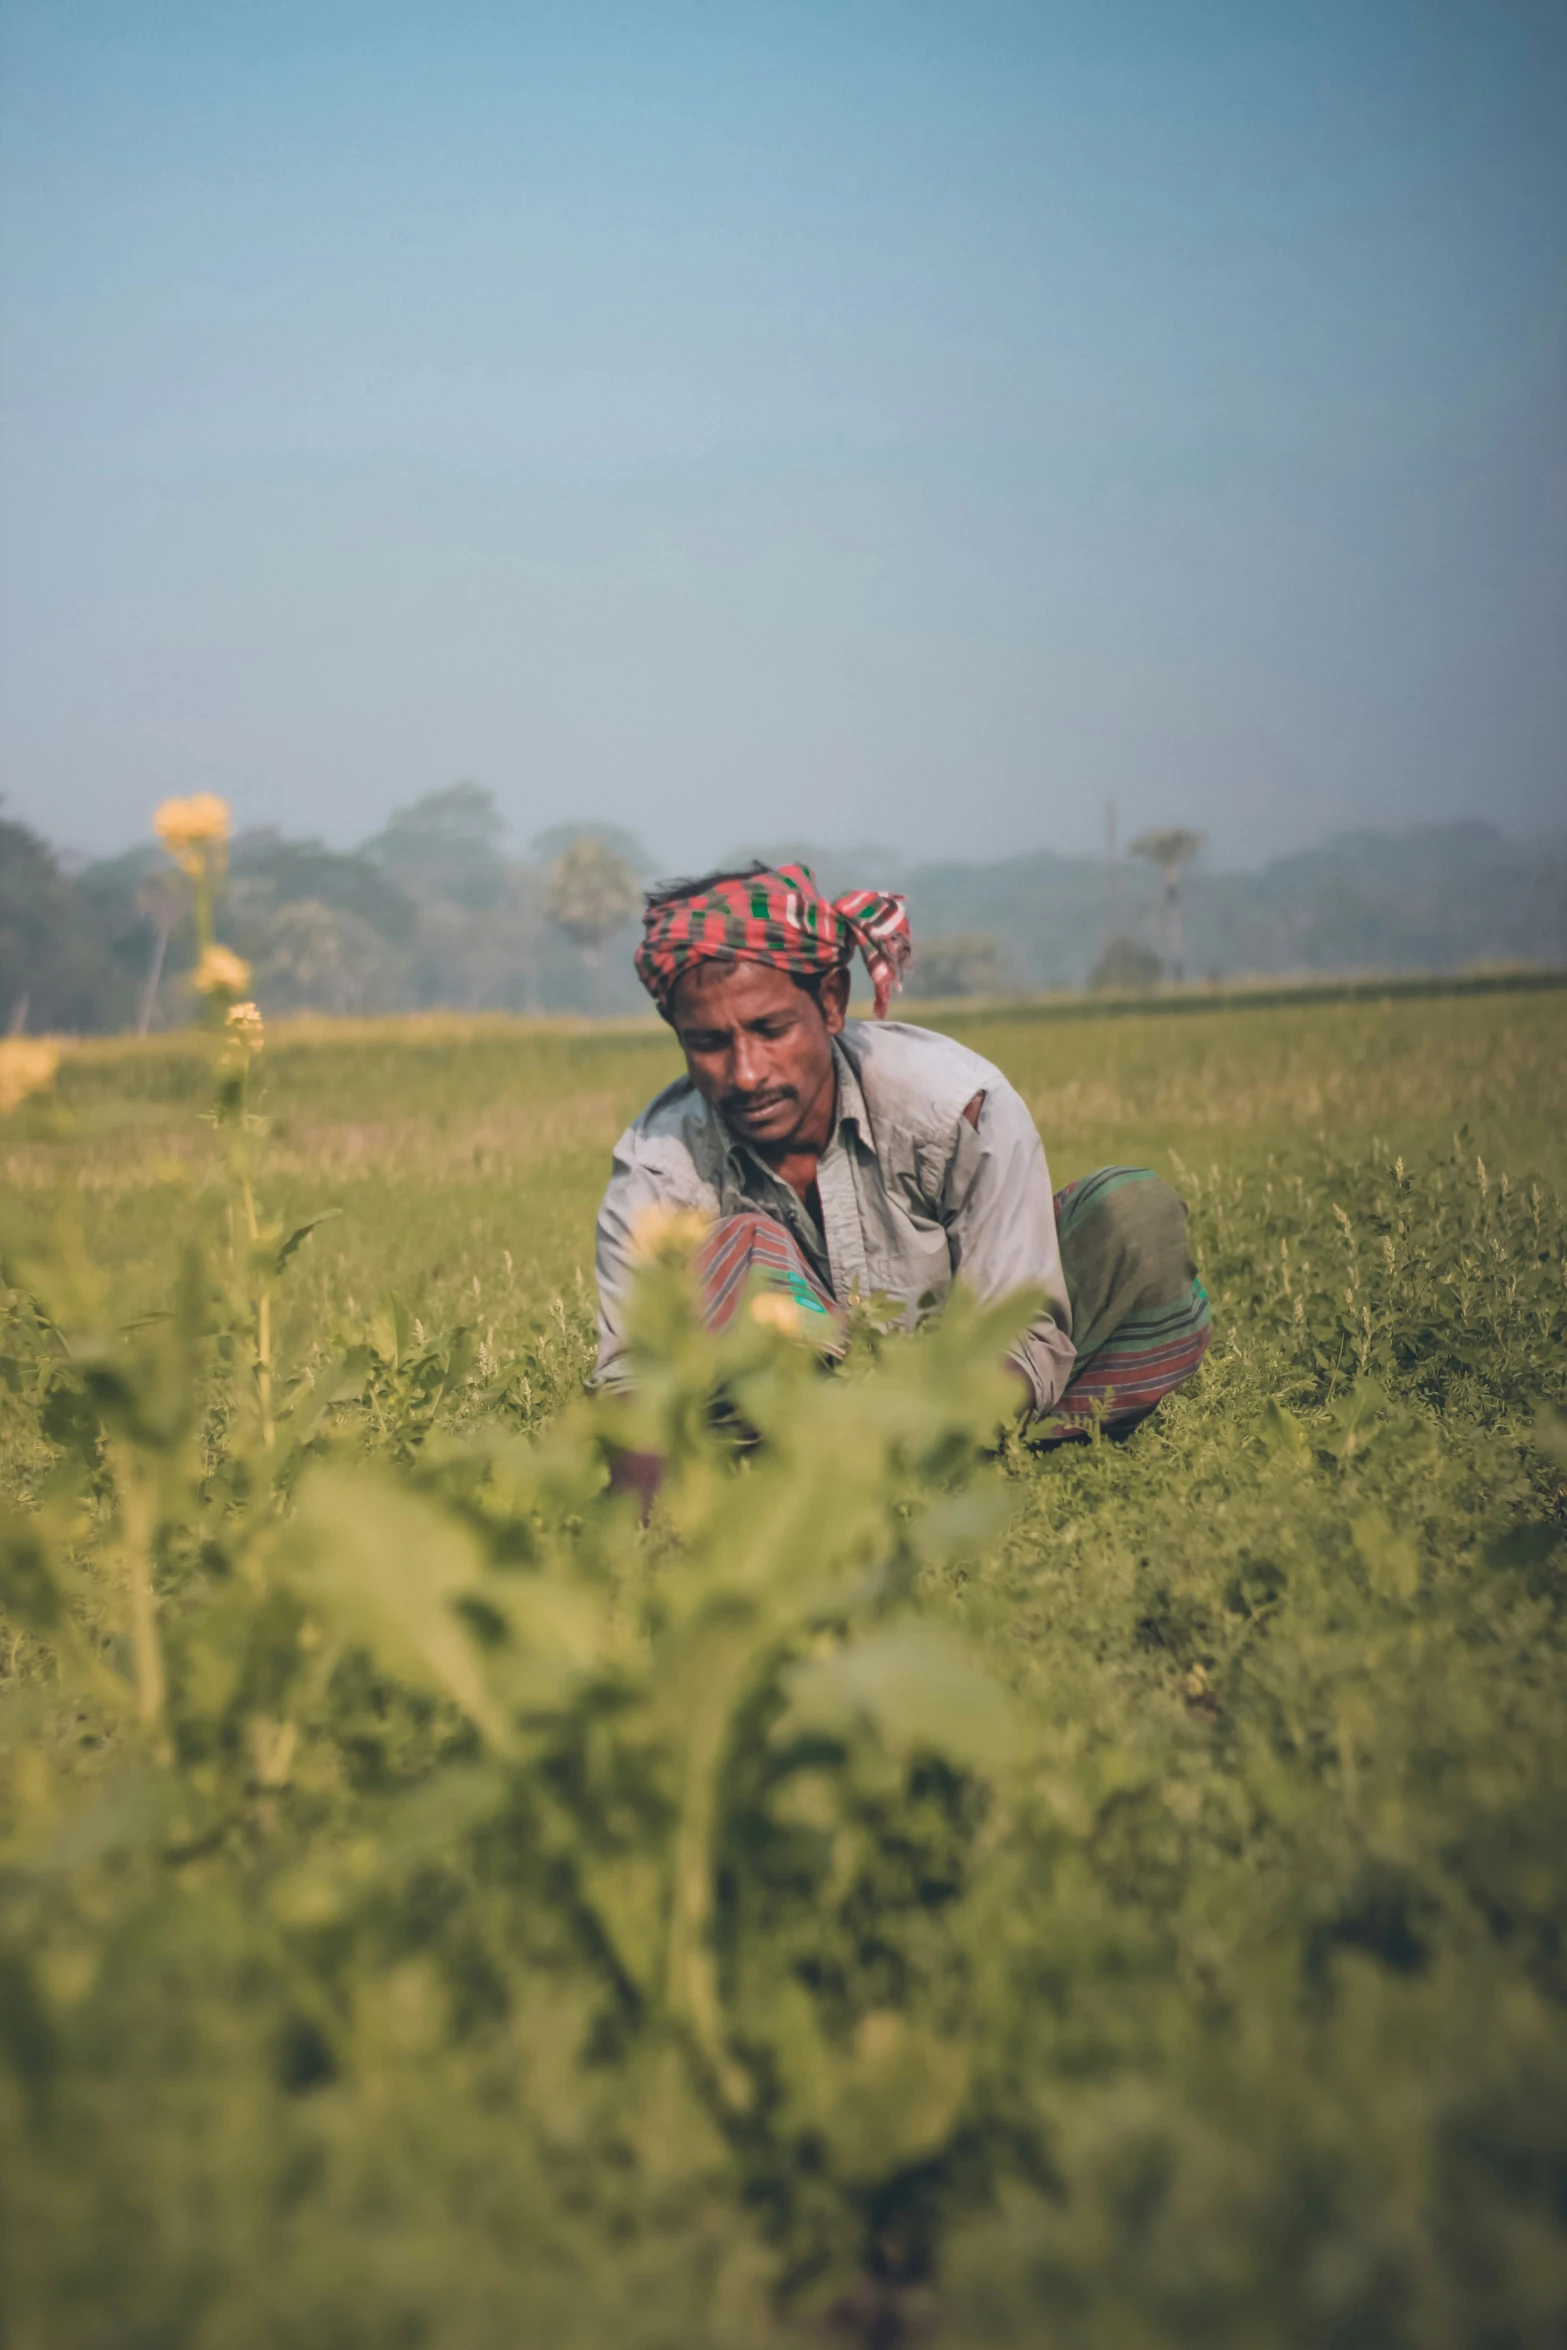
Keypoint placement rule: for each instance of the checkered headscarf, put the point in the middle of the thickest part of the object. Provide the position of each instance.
(777, 916)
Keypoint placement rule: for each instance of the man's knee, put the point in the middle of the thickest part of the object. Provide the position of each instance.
(1149, 1237)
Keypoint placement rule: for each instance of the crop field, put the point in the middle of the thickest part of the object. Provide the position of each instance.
(916, 1889)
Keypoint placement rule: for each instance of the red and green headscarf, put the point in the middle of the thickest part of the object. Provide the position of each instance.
(777, 916)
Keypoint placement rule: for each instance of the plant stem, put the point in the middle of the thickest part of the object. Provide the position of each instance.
(259, 1296)
(136, 1519)
(264, 1369)
(692, 1963)
(263, 1301)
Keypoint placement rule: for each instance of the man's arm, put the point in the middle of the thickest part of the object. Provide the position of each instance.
(632, 1189)
(1001, 1229)
(647, 1171)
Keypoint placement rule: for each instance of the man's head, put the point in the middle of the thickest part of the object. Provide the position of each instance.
(758, 1045)
(774, 916)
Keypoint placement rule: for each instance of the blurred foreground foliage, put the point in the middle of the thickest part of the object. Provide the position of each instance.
(901, 1893)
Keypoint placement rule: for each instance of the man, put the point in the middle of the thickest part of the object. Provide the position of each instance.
(843, 1159)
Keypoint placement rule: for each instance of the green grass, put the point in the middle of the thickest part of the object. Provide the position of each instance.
(447, 1142)
(1224, 1997)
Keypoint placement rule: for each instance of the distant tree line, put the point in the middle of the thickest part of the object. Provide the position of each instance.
(435, 910)
(1436, 897)
(430, 912)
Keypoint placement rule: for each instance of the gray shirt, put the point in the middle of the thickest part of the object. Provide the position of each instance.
(913, 1197)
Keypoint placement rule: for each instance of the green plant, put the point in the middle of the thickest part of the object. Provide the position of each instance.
(1107, 1896)
(677, 1730)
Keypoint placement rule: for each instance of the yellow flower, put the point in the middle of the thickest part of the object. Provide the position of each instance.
(661, 1230)
(220, 972)
(776, 1312)
(27, 1065)
(243, 1031)
(193, 831)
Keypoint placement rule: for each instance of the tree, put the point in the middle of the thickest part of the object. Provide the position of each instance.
(55, 971)
(1126, 967)
(490, 959)
(552, 844)
(1170, 851)
(967, 963)
(447, 845)
(266, 870)
(592, 894)
(323, 958)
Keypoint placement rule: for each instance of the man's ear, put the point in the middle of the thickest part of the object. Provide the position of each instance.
(834, 998)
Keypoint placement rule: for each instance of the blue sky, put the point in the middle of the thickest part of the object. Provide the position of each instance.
(911, 423)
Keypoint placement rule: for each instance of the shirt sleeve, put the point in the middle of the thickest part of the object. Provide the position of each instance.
(645, 1170)
(1001, 1230)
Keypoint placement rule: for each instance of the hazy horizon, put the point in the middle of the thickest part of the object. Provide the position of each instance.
(911, 425)
(854, 861)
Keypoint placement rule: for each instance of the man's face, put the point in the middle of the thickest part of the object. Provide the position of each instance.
(760, 1050)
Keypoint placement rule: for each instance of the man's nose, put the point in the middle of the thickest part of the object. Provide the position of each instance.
(749, 1064)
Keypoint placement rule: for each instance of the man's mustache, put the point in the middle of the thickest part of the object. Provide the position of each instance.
(764, 1097)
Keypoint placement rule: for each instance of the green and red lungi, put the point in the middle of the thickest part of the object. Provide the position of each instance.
(1140, 1318)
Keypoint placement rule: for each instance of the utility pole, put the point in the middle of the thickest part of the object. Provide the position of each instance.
(1112, 876)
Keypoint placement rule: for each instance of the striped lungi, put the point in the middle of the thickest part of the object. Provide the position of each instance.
(751, 1243)
(1140, 1319)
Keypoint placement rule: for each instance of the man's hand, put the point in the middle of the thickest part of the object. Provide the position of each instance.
(641, 1473)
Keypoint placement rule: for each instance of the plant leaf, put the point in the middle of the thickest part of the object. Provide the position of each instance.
(915, 1686)
(386, 1564)
(300, 1234)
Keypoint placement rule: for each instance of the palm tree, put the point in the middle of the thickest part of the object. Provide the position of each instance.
(592, 893)
(1170, 851)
